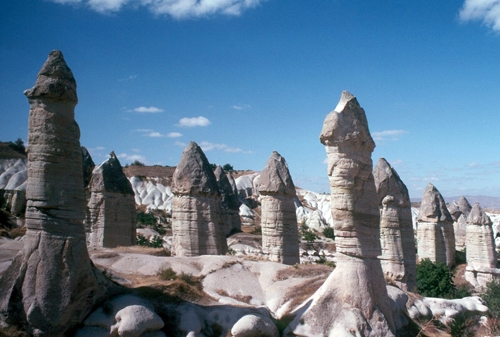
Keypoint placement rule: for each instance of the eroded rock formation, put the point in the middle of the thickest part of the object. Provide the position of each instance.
(435, 234)
(353, 300)
(481, 251)
(230, 202)
(280, 238)
(52, 284)
(197, 226)
(459, 213)
(396, 229)
(111, 206)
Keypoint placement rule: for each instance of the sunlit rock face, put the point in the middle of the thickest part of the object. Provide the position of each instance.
(197, 225)
(353, 300)
(280, 237)
(459, 213)
(111, 206)
(229, 201)
(435, 234)
(480, 242)
(52, 285)
(398, 258)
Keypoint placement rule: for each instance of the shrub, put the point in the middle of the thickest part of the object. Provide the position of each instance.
(18, 146)
(307, 234)
(137, 163)
(146, 219)
(167, 274)
(228, 168)
(153, 242)
(434, 279)
(491, 296)
(328, 233)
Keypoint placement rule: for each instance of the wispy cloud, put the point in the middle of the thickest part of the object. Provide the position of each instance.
(207, 146)
(179, 9)
(487, 11)
(129, 78)
(241, 107)
(192, 122)
(125, 157)
(150, 110)
(174, 134)
(387, 135)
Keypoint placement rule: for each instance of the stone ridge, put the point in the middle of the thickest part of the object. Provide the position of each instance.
(433, 208)
(194, 175)
(275, 178)
(55, 81)
(109, 177)
(347, 125)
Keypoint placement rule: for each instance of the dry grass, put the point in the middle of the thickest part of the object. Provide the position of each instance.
(143, 250)
(238, 297)
(106, 255)
(302, 271)
(17, 232)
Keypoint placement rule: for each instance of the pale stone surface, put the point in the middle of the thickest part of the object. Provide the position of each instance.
(229, 201)
(197, 226)
(435, 234)
(459, 213)
(481, 252)
(111, 220)
(280, 238)
(254, 325)
(52, 284)
(398, 258)
(126, 315)
(354, 297)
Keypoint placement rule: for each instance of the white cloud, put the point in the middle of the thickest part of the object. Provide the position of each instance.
(388, 135)
(487, 11)
(151, 109)
(179, 9)
(174, 134)
(241, 107)
(155, 134)
(207, 146)
(195, 121)
(131, 157)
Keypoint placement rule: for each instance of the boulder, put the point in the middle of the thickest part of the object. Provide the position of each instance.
(111, 220)
(280, 237)
(197, 225)
(435, 234)
(353, 300)
(52, 285)
(254, 326)
(398, 258)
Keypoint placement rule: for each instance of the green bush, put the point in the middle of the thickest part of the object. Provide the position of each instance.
(146, 219)
(328, 233)
(307, 234)
(434, 279)
(491, 296)
(153, 242)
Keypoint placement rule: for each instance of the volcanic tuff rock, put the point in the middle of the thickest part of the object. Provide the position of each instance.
(88, 166)
(480, 242)
(353, 300)
(197, 226)
(280, 238)
(459, 213)
(230, 202)
(435, 234)
(111, 206)
(52, 284)
(396, 229)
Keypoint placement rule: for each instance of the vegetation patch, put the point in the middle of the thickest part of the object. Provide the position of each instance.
(434, 279)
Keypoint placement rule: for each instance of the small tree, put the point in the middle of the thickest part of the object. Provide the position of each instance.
(137, 163)
(434, 279)
(329, 233)
(18, 146)
(228, 168)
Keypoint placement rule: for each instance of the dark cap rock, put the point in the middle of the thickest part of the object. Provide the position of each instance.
(55, 81)
(275, 178)
(109, 177)
(478, 216)
(433, 208)
(388, 182)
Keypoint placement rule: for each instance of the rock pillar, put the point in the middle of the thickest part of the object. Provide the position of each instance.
(111, 206)
(435, 234)
(229, 201)
(353, 300)
(196, 207)
(52, 284)
(396, 229)
(280, 235)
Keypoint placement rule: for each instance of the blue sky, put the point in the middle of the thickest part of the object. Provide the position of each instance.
(245, 77)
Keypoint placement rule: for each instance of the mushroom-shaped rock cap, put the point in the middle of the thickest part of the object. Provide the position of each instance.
(478, 216)
(193, 175)
(109, 177)
(55, 81)
(454, 210)
(229, 199)
(433, 208)
(347, 124)
(464, 206)
(388, 182)
(275, 178)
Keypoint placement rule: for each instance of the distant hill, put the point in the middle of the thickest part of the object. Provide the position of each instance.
(484, 201)
(7, 152)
